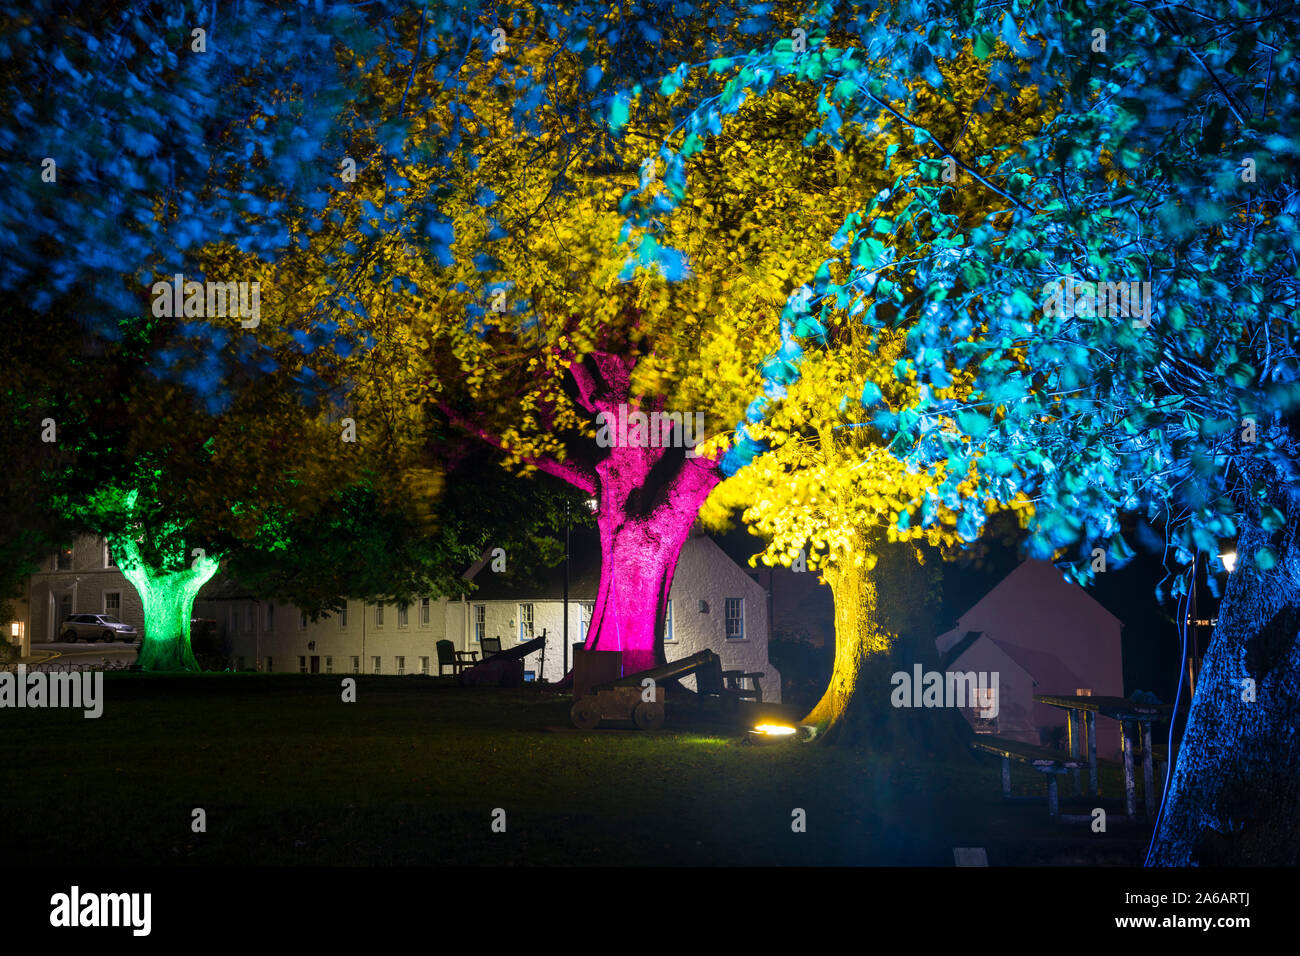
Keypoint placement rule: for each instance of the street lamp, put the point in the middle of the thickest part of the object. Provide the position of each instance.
(1229, 561)
(592, 505)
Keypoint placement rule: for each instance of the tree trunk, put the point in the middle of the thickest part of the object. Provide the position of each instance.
(1234, 797)
(168, 600)
(861, 646)
(644, 521)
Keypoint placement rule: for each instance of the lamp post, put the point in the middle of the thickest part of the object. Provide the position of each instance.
(564, 632)
(592, 504)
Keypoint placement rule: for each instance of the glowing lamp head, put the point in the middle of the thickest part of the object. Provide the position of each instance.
(1229, 561)
(774, 730)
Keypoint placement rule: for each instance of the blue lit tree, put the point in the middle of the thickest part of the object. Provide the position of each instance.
(1123, 325)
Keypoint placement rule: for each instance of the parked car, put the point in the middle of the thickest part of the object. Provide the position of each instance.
(98, 627)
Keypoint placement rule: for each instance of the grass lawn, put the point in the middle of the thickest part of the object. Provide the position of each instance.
(411, 774)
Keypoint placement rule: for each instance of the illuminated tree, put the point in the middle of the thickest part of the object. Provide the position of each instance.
(537, 335)
(1127, 316)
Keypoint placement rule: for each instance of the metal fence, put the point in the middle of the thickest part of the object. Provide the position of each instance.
(67, 667)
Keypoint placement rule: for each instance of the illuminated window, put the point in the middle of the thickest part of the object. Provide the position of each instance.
(343, 615)
(480, 622)
(401, 665)
(402, 616)
(668, 624)
(63, 560)
(424, 611)
(983, 713)
(424, 665)
(585, 611)
(379, 615)
(374, 665)
(356, 665)
(525, 622)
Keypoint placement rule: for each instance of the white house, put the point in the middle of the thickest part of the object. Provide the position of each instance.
(81, 578)
(1041, 634)
(713, 604)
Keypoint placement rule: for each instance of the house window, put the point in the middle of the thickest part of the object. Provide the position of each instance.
(374, 665)
(480, 622)
(343, 615)
(329, 665)
(530, 675)
(113, 603)
(585, 610)
(248, 617)
(270, 616)
(982, 712)
(109, 561)
(735, 619)
(402, 618)
(356, 665)
(1083, 692)
(63, 560)
(379, 614)
(525, 622)
(302, 665)
(424, 612)
(302, 620)
(668, 624)
(424, 666)
(268, 665)
(401, 665)
(65, 607)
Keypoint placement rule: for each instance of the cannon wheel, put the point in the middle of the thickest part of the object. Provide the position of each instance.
(648, 715)
(585, 714)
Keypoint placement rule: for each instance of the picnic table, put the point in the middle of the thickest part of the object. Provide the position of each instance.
(1048, 762)
(1083, 713)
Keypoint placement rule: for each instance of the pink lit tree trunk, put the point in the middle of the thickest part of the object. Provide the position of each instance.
(639, 547)
(647, 501)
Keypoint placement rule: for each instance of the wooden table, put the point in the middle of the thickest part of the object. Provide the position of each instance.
(1083, 713)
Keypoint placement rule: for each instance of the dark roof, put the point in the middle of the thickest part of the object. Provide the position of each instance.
(548, 583)
(223, 588)
(960, 648)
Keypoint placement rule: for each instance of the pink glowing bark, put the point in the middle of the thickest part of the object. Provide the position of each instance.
(648, 498)
(638, 554)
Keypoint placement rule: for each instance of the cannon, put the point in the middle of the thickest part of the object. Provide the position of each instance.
(622, 699)
(505, 668)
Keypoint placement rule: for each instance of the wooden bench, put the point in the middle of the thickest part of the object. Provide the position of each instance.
(733, 681)
(1049, 762)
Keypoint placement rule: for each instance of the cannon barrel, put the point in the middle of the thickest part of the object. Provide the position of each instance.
(677, 668)
(518, 652)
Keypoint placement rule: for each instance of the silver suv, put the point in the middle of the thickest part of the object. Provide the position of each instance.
(97, 627)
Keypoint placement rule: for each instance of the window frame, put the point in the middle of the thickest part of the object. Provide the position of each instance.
(727, 618)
